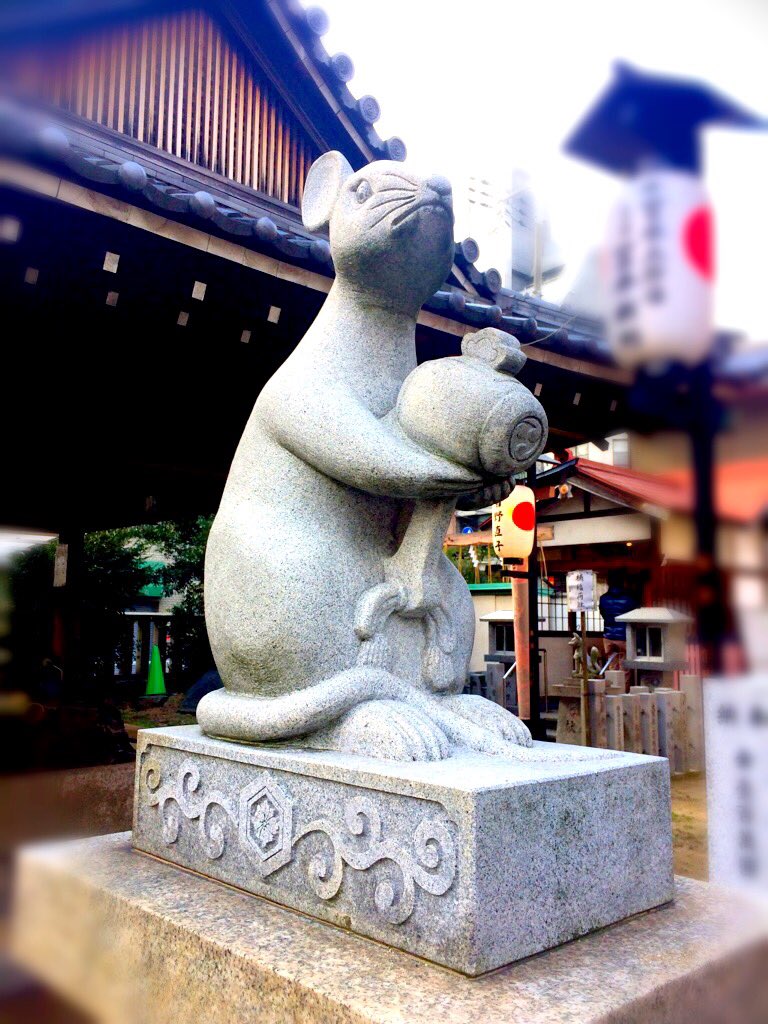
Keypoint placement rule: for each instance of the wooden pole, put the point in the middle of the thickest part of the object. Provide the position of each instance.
(711, 616)
(535, 723)
(521, 620)
(585, 730)
(67, 598)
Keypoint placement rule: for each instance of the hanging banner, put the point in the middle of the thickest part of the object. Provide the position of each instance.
(657, 271)
(513, 524)
(581, 586)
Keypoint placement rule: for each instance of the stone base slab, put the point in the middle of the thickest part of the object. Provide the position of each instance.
(133, 940)
(472, 862)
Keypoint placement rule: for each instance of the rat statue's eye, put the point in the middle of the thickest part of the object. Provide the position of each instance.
(363, 191)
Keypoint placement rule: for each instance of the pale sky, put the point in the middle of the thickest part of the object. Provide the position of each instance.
(487, 86)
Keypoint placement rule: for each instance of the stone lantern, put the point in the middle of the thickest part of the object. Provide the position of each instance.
(656, 641)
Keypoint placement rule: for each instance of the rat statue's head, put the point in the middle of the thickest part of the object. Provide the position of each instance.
(391, 231)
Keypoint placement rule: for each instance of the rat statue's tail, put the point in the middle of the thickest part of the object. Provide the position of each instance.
(245, 716)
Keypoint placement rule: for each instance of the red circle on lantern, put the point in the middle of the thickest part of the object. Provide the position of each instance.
(698, 241)
(524, 515)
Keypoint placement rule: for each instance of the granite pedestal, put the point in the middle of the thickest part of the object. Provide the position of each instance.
(471, 862)
(133, 940)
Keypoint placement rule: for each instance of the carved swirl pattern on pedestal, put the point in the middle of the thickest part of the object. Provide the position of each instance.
(177, 800)
(260, 820)
(432, 868)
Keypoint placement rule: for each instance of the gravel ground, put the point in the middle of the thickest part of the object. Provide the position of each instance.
(689, 825)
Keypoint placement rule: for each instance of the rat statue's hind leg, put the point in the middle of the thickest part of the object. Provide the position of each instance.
(363, 710)
(392, 729)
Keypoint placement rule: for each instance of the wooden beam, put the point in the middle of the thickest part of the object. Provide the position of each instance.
(42, 183)
(604, 373)
(465, 540)
(537, 355)
(464, 280)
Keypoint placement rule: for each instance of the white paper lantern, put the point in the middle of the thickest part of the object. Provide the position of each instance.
(513, 524)
(657, 271)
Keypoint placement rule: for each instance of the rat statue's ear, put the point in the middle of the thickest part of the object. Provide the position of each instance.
(326, 176)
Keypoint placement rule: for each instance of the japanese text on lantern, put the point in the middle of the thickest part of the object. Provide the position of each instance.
(513, 524)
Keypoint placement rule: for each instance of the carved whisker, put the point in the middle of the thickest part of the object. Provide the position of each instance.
(386, 213)
(397, 188)
(400, 217)
(389, 200)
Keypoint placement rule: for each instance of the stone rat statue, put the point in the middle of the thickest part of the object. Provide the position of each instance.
(352, 461)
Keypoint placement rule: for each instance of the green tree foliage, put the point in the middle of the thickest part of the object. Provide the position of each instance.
(114, 572)
(181, 545)
(463, 562)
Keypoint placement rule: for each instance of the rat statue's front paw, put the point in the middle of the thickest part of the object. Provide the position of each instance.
(491, 494)
(386, 728)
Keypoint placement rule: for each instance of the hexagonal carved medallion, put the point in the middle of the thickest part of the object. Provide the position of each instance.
(266, 822)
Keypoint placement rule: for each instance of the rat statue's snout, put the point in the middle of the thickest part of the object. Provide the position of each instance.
(436, 193)
(440, 185)
(440, 193)
(430, 210)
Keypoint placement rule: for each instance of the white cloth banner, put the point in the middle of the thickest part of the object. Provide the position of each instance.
(582, 588)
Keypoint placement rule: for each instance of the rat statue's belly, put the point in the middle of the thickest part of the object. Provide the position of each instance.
(289, 555)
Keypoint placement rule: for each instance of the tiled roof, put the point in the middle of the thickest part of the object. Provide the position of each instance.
(55, 140)
(304, 28)
(642, 487)
(741, 487)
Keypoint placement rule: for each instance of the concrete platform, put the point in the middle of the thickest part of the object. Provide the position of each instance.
(133, 940)
(472, 862)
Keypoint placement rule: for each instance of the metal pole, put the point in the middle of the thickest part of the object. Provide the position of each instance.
(538, 244)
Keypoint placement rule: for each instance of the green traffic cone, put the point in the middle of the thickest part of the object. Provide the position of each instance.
(155, 682)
